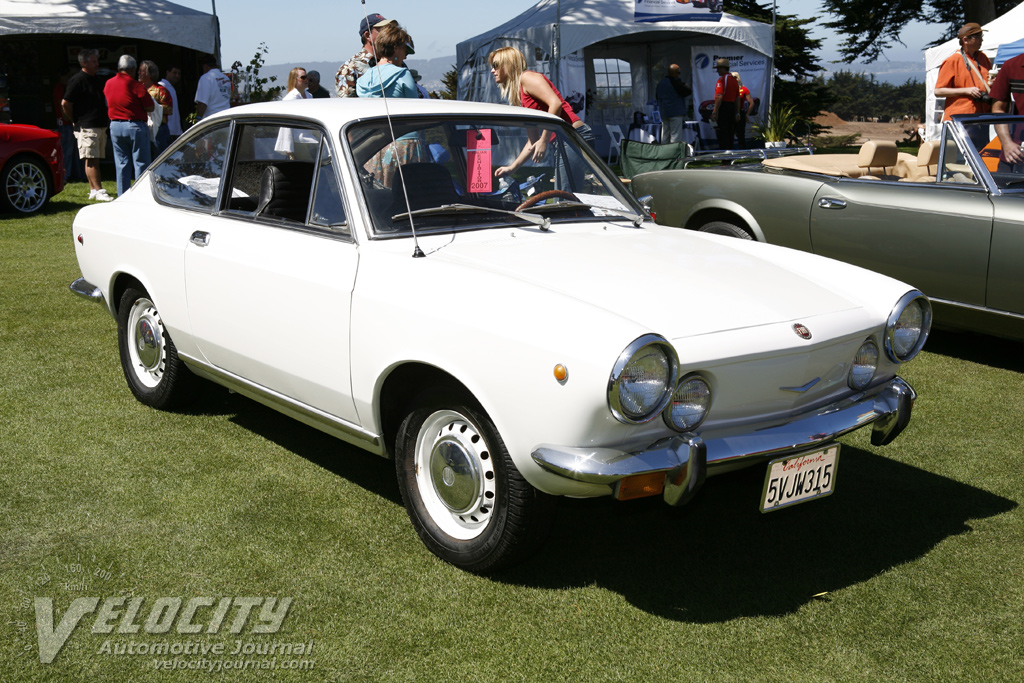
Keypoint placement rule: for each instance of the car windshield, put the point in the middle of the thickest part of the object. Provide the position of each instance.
(987, 141)
(444, 174)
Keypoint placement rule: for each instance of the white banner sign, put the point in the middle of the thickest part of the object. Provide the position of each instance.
(750, 65)
(677, 10)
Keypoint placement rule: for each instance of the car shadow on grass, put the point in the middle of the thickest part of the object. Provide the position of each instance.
(717, 558)
(369, 471)
(982, 349)
(720, 558)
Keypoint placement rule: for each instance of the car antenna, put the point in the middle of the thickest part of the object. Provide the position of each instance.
(416, 252)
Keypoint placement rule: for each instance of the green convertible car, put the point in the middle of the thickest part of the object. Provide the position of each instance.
(950, 221)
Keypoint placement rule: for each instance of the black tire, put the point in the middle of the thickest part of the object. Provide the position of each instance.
(149, 359)
(467, 501)
(727, 229)
(24, 185)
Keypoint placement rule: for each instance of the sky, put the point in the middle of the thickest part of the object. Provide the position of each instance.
(326, 30)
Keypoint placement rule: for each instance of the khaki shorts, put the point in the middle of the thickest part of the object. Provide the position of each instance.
(92, 143)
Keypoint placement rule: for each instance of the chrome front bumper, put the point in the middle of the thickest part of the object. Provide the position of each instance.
(685, 458)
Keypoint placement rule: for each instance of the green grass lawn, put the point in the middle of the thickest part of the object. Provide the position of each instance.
(912, 571)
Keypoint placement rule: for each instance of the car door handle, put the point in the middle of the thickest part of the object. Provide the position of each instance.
(829, 203)
(200, 238)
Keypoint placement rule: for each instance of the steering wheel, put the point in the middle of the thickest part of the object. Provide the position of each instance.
(547, 194)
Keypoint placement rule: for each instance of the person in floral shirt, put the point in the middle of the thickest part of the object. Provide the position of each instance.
(350, 71)
(148, 75)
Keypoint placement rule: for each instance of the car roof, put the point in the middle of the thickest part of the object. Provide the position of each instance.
(337, 111)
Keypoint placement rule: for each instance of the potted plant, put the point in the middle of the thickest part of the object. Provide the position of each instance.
(781, 121)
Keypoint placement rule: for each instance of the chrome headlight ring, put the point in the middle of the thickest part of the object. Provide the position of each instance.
(690, 403)
(864, 366)
(908, 326)
(643, 379)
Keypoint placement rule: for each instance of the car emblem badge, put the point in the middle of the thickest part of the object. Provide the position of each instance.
(802, 331)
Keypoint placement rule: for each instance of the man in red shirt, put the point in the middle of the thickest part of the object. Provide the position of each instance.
(1007, 96)
(128, 105)
(727, 91)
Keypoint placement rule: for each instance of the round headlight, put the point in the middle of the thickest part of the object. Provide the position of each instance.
(641, 381)
(908, 327)
(690, 403)
(864, 365)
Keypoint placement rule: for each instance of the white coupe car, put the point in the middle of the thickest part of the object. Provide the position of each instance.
(360, 266)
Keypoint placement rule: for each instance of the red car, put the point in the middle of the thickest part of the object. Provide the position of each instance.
(31, 167)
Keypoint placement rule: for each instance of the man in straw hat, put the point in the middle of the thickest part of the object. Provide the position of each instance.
(963, 78)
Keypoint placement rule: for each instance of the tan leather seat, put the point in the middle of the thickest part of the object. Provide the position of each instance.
(878, 155)
(925, 167)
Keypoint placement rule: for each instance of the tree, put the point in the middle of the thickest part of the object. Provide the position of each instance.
(796, 62)
(251, 85)
(872, 26)
(450, 80)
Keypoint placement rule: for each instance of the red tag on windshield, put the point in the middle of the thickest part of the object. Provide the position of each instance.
(478, 160)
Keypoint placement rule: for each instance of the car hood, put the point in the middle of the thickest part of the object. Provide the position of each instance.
(672, 282)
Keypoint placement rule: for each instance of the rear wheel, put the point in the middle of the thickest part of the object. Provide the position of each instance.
(149, 359)
(26, 185)
(466, 499)
(727, 229)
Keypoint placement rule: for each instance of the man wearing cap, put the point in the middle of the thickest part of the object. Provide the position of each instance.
(1008, 96)
(350, 71)
(963, 77)
(727, 91)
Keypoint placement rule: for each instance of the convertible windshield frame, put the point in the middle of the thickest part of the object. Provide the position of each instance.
(442, 166)
(986, 162)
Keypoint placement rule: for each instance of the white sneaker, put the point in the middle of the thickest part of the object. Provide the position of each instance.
(100, 195)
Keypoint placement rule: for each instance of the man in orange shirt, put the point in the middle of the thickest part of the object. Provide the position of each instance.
(963, 78)
(727, 91)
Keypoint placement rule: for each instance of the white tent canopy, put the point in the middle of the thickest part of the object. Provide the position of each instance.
(552, 30)
(1005, 29)
(154, 20)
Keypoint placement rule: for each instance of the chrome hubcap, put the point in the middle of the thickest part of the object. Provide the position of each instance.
(455, 474)
(146, 343)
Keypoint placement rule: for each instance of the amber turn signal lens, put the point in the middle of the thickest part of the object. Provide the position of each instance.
(640, 486)
(561, 373)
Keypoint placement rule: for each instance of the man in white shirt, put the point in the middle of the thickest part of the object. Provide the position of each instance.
(214, 91)
(171, 78)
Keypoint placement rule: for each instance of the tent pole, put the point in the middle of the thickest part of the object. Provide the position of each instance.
(556, 47)
(216, 37)
(771, 72)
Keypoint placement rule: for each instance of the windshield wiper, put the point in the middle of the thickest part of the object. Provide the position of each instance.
(635, 218)
(541, 221)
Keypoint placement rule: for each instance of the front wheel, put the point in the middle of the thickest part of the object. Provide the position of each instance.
(149, 359)
(466, 499)
(727, 229)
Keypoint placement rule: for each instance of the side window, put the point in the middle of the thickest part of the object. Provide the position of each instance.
(190, 177)
(272, 173)
(328, 209)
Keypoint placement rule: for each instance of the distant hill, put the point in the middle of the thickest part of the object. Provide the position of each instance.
(431, 71)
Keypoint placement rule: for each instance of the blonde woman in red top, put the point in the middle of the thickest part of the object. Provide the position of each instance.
(522, 88)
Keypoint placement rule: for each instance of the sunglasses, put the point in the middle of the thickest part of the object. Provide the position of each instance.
(495, 67)
(302, 78)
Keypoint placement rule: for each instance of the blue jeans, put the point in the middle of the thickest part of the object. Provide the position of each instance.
(73, 168)
(130, 140)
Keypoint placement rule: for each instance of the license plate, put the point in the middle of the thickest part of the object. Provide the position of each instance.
(800, 478)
